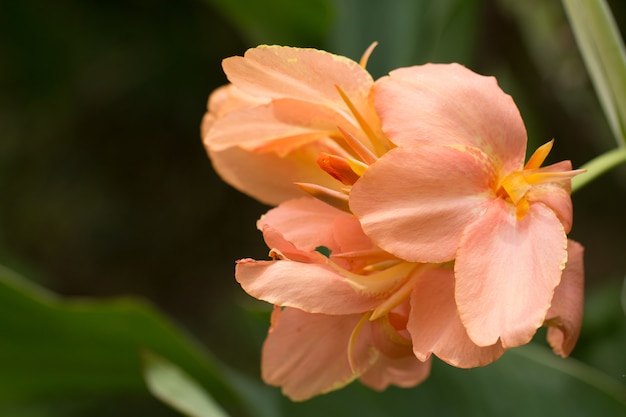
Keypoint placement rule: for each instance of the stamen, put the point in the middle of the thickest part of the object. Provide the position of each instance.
(366, 54)
(358, 167)
(541, 177)
(395, 299)
(337, 167)
(352, 344)
(540, 155)
(378, 283)
(375, 141)
(358, 147)
(328, 196)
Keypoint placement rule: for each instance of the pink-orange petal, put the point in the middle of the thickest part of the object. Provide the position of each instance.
(449, 104)
(564, 318)
(314, 288)
(306, 354)
(308, 223)
(301, 73)
(404, 371)
(415, 202)
(436, 328)
(506, 272)
(268, 177)
(279, 126)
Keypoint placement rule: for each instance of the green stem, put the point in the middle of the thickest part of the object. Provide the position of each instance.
(598, 166)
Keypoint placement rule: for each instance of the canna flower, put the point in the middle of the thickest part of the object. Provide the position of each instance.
(334, 287)
(456, 188)
(283, 108)
(309, 354)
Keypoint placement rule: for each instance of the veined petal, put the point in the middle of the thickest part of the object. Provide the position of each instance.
(506, 271)
(565, 315)
(557, 197)
(280, 126)
(301, 73)
(268, 177)
(415, 202)
(404, 371)
(306, 354)
(314, 288)
(436, 328)
(555, 194)
(447, 104)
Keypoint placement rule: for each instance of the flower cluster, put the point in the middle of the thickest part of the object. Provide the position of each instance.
(407, 223)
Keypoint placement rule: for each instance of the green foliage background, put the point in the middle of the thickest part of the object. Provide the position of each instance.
(107, 192)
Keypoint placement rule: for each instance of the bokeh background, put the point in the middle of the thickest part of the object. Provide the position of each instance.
(106, 189)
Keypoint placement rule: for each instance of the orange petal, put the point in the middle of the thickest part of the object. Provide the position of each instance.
(414, 202)
(324, 226)
(506, 272)
(405, 371)
(306, 354)
(268, 177)
(436, 328)
(280, 126)
(448, 104)
(565, 315)
(314, 288)
(300, 73)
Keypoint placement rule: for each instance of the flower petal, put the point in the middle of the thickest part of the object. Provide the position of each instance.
(447, 104)
(280, 126)
(300, 73)
(506, 271)
(414, 202)
(314, 288)
(268, 177)
(308, 223)
(405, 371)
(556, 194)
(307, 354)
(436, 328)
(565, 315)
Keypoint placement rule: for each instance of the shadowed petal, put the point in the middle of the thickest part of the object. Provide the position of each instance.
(280, 126)
(556, 194)
(314, 288)
(565, 315)
(404, 371)
(436, 328)
(307, 354)
(447, 104)
(249, 172)
(506, 271)
(414, 202)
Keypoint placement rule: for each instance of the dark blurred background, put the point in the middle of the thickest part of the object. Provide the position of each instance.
(105, 185)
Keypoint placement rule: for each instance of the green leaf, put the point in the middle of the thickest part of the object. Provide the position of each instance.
(284, 22)
(409, 32)
(53, 350)
(171, 385)
(604, 54)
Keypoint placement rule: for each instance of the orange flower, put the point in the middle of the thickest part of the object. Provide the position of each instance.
(283, 109)
(456, 188)
(332, 281)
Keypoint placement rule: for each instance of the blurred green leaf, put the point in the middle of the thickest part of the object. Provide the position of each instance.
(527, 381)
(53, 350)
(603, 51)
(409, 32)
(171, 385)
(284, 22)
